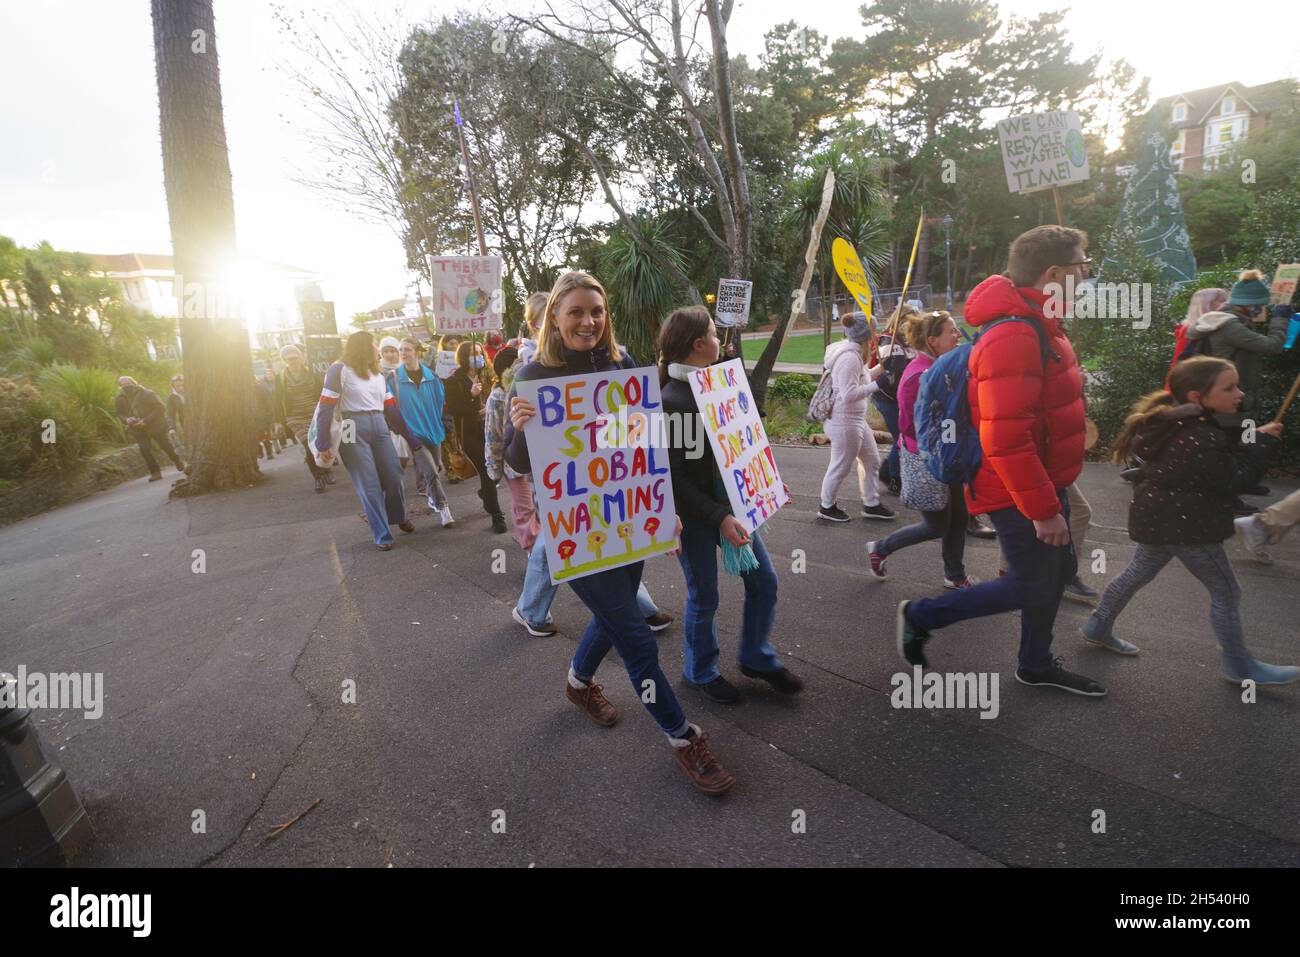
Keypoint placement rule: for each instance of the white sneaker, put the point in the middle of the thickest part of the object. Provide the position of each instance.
(1254, 536)
(433, 506)
(445, 514)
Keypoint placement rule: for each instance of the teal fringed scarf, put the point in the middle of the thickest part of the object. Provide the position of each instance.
(735, 561)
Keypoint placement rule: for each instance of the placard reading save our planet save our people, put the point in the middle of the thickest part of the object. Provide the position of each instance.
(740, 446)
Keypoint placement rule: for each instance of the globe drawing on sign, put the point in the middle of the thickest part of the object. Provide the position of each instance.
(1074, 147)
(476, 301)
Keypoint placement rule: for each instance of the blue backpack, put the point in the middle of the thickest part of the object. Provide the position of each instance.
(948, 444)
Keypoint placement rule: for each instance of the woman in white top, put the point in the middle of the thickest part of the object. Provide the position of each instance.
(851, 438)
(356, 388)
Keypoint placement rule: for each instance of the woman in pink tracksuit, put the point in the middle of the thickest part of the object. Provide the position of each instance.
(851, 438)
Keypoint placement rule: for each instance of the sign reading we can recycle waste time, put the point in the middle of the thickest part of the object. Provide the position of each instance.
(740, 447)
(1042, 150)
(600, 467)
(466, 293)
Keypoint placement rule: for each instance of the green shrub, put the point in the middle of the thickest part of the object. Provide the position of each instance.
(86, 395)
(31, 356)
(792, 386)
(24, 416)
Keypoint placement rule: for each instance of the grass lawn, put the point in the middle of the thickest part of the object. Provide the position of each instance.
(804, 349)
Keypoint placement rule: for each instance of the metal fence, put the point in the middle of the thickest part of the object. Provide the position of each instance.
(883, 303)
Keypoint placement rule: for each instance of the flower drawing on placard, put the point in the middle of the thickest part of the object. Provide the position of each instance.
(652, 526)
(596, 541)
(624, 531)
(566, 549)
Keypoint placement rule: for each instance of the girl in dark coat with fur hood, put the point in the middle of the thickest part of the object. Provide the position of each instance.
(1182, 505)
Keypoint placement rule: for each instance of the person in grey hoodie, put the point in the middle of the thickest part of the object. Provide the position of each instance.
(1237, 333)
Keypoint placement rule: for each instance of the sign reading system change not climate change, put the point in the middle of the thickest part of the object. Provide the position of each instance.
(600, 467)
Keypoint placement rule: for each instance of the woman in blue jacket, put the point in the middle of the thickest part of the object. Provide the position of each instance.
(422, 402)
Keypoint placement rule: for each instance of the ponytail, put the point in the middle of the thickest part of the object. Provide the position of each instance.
(1197, 374)
(1143, 409)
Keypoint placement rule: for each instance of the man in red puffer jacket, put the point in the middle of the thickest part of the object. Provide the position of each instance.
(1029, 413)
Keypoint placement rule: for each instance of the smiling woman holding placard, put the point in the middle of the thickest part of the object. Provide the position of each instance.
(577, 340)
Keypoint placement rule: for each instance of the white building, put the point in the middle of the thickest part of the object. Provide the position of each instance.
(269, 292)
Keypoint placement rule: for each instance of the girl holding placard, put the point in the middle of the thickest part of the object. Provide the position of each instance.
(688, 341)
(577, 337)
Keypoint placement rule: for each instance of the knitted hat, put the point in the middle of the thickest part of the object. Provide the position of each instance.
(856, 326)
(1249, 290)
(387, 341)
(290, 352)
(504, 360)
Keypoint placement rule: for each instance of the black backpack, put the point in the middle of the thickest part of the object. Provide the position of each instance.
(1196, 347)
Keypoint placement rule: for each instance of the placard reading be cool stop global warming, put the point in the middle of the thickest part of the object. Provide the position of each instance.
(600, 467)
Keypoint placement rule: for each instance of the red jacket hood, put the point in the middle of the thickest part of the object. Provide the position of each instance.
(997, 296)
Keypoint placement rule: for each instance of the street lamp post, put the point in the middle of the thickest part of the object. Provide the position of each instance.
(42, 822)
(947, 253)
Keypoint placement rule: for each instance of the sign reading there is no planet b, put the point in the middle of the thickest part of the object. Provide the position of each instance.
(1042, 150)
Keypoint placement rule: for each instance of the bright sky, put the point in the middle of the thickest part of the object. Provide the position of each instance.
(81, 165)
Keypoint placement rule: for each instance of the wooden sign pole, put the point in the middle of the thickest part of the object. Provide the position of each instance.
(907, 279)
(1060, 211)
(1286, 403)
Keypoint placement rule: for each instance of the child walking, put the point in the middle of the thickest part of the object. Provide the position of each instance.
(942, 507)
(523, 510)
(688, 341)
(1182, 505)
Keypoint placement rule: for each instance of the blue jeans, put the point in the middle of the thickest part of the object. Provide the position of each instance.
(1036, 577)
(535, 600)
(375, 472)
(888, 409)
(617, 622)
(699, 561)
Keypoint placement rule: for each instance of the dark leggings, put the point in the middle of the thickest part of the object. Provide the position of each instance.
(143, 439)
(948, 524)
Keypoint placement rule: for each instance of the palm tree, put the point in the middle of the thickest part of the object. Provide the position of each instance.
(201, 206)
(640, 291)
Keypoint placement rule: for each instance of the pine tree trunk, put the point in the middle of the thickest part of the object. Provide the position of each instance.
(200, 203)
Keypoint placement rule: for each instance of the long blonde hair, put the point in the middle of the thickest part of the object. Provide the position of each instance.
(1203, 301)
(550, 347)
(534, 309)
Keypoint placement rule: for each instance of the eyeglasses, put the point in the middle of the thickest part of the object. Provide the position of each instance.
(1084, 264)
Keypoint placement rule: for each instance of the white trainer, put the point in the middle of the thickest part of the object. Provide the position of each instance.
(445, 514)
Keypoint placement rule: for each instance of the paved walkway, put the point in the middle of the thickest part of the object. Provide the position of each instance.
(223, 696)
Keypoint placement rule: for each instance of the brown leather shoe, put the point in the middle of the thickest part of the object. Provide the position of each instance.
(593, 703)
(407, 527)
(702, 767)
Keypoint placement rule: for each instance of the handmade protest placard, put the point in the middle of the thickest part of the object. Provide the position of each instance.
(600, 466)
(740, 447)
(466, 293)
(732, 308)
(444, 364)
(1042, 150)
(1284, 283)
(851, 273)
